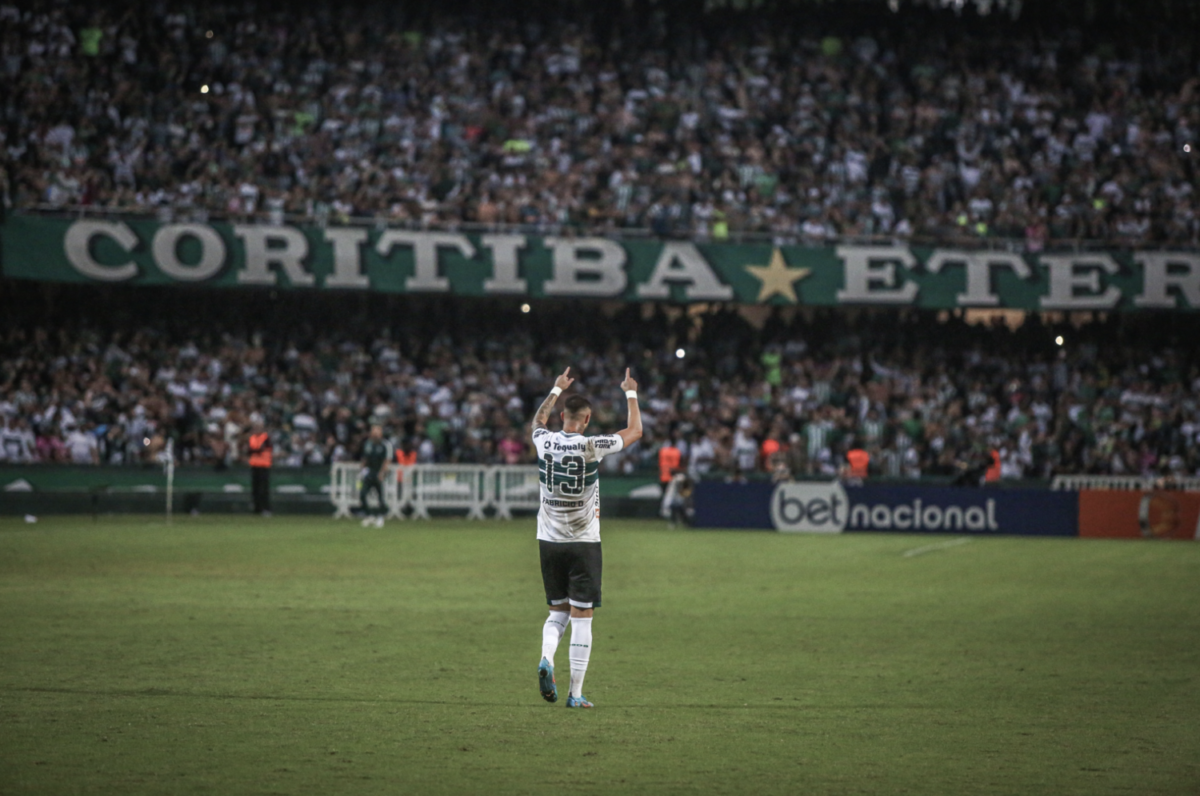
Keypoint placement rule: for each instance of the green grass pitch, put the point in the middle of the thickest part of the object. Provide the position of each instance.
(307, 656)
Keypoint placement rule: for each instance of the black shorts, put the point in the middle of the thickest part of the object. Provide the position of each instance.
(571, 572)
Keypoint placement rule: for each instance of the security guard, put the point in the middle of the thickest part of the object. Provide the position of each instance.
(992, 474)
(259, 448)
(406, 455)
(859, 462)
(669, 460)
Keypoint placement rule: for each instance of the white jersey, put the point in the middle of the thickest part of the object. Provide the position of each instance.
(569, 467)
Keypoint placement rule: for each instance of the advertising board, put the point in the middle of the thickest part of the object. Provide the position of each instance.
(831, 507)
(1116, 514)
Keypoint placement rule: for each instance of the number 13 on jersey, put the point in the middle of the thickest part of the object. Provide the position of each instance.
(568, 475)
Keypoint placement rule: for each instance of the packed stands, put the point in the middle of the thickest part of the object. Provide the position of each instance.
(914, 126)
(804, 128)
(107, 376)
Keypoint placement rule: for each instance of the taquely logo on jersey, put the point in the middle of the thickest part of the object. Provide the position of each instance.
(828, 508)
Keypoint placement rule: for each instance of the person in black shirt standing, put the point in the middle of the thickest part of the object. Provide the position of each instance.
(375, 455)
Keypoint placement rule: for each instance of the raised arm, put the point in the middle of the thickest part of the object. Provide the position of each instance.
(633, 428)
(542, 416)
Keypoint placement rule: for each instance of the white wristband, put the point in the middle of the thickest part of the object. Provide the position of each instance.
(556, 391)
(631, 394)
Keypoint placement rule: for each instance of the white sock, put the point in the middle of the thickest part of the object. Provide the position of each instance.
(552, 632)
(581, 651)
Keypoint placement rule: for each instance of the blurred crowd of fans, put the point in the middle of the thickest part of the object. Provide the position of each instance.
(910, 130)
(458, 382)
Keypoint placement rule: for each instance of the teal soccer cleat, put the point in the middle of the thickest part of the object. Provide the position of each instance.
(579, 702)
(546, 681)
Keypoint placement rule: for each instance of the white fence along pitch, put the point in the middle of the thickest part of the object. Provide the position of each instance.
(472, 488)
(343, 488)
(1129, 483)
(516, 487)
(448, 486)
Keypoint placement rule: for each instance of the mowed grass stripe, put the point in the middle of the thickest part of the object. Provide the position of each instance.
(300, 655)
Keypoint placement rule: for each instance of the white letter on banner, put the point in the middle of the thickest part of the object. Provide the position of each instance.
(979, 267)
(257, 240)
(425, 247)
(569, 266)
(505, 277)
(683, 263)
(861, 273)
(77, 245)
(1157, 279)
(166, 252)
(347, 257)
(1066, 274)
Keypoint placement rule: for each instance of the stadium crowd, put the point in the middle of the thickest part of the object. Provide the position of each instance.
(458, 382)
(909, 128)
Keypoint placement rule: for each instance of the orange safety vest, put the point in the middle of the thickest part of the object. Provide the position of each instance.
(669, 458)
(260, 450)
(860, 461)
(768, 449)
(993, 473)
(404, 460)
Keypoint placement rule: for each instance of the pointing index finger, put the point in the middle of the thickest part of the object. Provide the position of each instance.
(627, 373)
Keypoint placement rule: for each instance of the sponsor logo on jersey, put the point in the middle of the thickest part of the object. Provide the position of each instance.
(602, 442)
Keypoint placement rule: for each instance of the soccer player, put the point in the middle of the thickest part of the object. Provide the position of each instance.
(376, 453)
(569, 526)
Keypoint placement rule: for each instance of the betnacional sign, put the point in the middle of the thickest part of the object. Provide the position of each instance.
(831, 507)
(113, 251)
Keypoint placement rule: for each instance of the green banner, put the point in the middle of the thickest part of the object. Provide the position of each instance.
(507, 264)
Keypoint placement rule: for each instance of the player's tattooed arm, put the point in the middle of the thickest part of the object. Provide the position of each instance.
(542, 416)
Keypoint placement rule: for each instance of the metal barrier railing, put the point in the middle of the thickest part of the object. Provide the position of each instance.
(1130, 483)
(422, 488)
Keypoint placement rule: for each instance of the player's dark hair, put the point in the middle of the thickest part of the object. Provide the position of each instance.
(576, 405)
